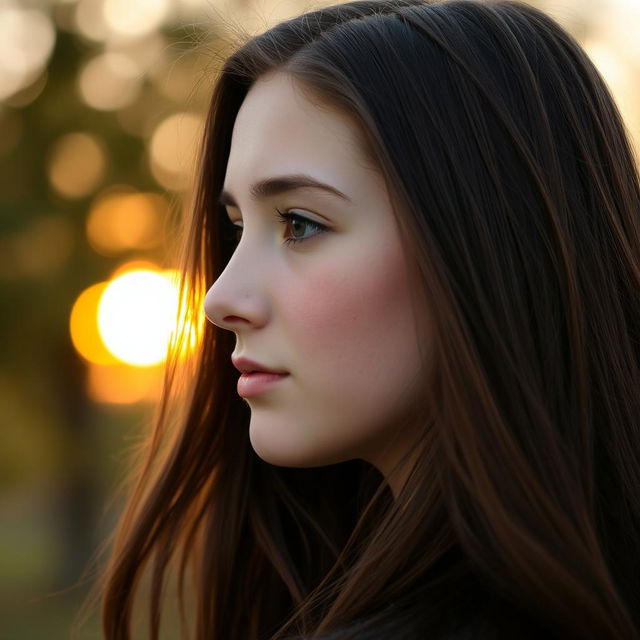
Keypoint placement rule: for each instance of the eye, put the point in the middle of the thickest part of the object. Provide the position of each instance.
(298, 224)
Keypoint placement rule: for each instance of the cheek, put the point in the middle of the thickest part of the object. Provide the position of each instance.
(353, 315)
(348, 326)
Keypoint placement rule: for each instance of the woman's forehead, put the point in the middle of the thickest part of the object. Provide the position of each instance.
(279, 130)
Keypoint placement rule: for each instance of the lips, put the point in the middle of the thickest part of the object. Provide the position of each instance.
(258, 382)
(245, 365)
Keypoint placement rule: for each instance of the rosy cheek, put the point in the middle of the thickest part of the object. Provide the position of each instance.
(340, 315)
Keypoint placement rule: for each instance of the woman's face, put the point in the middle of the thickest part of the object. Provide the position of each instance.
(325, 296)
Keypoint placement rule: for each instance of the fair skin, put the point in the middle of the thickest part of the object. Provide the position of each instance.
(334, 310)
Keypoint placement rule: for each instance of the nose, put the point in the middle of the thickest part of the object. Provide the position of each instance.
(236, 300)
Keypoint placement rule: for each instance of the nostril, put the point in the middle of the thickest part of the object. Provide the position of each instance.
(232, 319)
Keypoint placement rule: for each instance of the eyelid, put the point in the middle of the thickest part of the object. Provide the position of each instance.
(301, 213)
(291, 211)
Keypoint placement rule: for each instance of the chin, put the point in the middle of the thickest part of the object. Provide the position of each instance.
(283, 452)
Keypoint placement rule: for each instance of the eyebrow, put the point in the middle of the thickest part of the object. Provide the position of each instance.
(280, 184)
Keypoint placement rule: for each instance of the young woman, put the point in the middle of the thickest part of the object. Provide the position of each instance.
(415, 412)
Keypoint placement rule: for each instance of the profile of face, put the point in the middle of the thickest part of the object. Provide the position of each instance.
(324, 296)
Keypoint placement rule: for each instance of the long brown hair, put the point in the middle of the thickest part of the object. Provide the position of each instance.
(518, 198)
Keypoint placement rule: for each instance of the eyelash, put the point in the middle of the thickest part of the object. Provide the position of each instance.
(285, 217)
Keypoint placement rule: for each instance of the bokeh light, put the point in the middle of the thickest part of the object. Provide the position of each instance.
(122, 384)
(134, 19)
(77, 164)
(121, 221)
(134, 265)
(83, 326)
(147, 53)
(129, 322)
(90, 22)
(620, 75)
(27, 37)
(109, 81)
(108, 108)
(29, 91)
(137, 314)
(173, 148)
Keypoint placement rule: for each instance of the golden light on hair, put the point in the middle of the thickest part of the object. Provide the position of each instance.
(77, 165)
(172, 150)
(123, 221)
(83, 325)
(188, 331)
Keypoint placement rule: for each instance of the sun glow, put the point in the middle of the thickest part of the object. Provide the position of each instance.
(137, 315)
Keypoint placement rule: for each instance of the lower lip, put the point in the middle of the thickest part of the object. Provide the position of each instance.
(252, 384)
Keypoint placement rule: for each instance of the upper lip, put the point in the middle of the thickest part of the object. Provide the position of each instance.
(244, 365)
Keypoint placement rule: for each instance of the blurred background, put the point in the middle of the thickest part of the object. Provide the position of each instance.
(101, 105)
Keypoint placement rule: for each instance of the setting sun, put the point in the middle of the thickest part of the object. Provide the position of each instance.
(136, 316)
